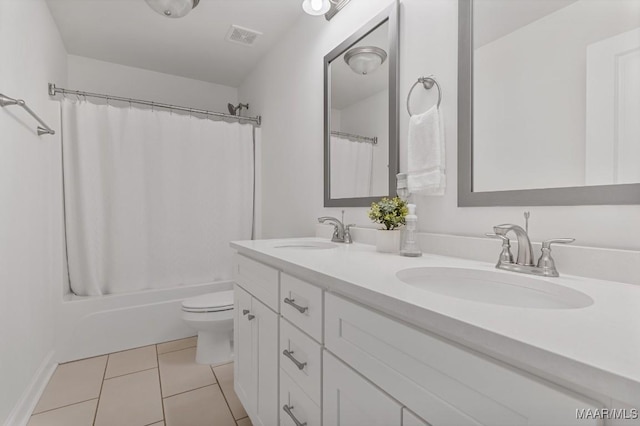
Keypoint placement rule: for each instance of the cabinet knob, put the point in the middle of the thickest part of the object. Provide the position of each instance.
(245, 311)
(250, 317)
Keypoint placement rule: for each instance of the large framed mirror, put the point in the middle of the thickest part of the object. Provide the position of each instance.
(549, 102)
(361, 114)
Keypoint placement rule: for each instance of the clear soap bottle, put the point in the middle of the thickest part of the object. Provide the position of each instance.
(410, 247)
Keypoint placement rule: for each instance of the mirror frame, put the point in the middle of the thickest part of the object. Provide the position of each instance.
(390, 14)
(620, 194)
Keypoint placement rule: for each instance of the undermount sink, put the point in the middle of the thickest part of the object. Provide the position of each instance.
(497, 288)
(306, 245)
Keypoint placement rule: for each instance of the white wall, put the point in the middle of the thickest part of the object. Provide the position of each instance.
(92, 75)
(30, 217)
(293, 159)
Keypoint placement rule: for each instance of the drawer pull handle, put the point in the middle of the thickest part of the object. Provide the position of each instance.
(289, 354)
(245, 311)
(250, 317)
(292, 302)
(287, 409)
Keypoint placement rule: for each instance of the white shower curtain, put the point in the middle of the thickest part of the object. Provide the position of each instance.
(351, 168)
(152, 198)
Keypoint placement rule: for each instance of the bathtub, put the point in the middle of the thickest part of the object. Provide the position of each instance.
(91, 326)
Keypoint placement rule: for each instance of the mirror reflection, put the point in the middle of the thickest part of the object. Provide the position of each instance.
(359, 118)
(556, 93)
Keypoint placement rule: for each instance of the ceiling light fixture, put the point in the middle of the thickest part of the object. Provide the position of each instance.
(365, 59)
(173, 8)
(316, 7)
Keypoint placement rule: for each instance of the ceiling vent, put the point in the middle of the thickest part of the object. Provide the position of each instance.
(241, 35)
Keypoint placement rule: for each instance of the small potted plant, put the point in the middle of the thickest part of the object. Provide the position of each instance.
(391, 213)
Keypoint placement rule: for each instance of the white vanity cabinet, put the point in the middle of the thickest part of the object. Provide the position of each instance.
(305, 355)
(256, 344)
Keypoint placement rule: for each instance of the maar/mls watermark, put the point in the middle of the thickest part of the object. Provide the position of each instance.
(607, 413)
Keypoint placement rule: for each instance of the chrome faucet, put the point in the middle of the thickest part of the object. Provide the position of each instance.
(525, 251)
(341, 233)
(524, 259)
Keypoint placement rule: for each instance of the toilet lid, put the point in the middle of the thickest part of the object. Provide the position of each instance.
(211, 302)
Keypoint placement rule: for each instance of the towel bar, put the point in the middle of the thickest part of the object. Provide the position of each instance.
(43, 129)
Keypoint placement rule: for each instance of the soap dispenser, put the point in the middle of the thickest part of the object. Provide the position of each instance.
(410, 247)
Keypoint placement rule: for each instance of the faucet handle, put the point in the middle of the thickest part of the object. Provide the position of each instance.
(347, 233)
(505, 255)
(546, 262)
(547, 244)
(504, 238)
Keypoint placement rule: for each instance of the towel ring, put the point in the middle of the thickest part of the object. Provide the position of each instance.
(427, 83)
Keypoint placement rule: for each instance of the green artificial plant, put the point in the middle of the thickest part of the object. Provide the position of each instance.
(390, 212)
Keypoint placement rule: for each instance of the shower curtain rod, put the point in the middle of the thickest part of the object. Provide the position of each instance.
(53, 90)
(373, 140)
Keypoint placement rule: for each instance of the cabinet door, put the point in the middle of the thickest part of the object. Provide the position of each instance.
(244, 382)
(265, 330)
(350, 400)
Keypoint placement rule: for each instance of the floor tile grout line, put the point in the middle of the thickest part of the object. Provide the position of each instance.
(133, 372)
(104, 373)
(175, 350)
(164, 415)
(187, 391)
(131, 349)
(178, 350)
(63, 406)
(224, 395)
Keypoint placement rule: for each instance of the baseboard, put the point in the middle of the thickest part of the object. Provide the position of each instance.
(21, 412)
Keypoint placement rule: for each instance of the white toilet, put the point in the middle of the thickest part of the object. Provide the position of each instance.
(211, 315)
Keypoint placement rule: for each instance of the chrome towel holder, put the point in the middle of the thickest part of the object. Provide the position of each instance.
(427, 83)
(43, 129)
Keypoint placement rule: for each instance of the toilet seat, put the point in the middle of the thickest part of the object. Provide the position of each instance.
(212, 302)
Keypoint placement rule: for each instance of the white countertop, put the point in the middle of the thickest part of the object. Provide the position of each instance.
(594, 350)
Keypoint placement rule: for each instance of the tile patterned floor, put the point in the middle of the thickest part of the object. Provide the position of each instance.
(157, 385)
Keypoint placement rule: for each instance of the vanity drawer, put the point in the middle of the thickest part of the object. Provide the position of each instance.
(258, 279)
(298, 403)
(302, 351)
(301, 303)
(439, 381)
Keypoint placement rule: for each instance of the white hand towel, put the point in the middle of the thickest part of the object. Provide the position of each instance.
(426, 162)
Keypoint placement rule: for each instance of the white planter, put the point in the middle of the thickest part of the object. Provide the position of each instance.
(388, 241)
